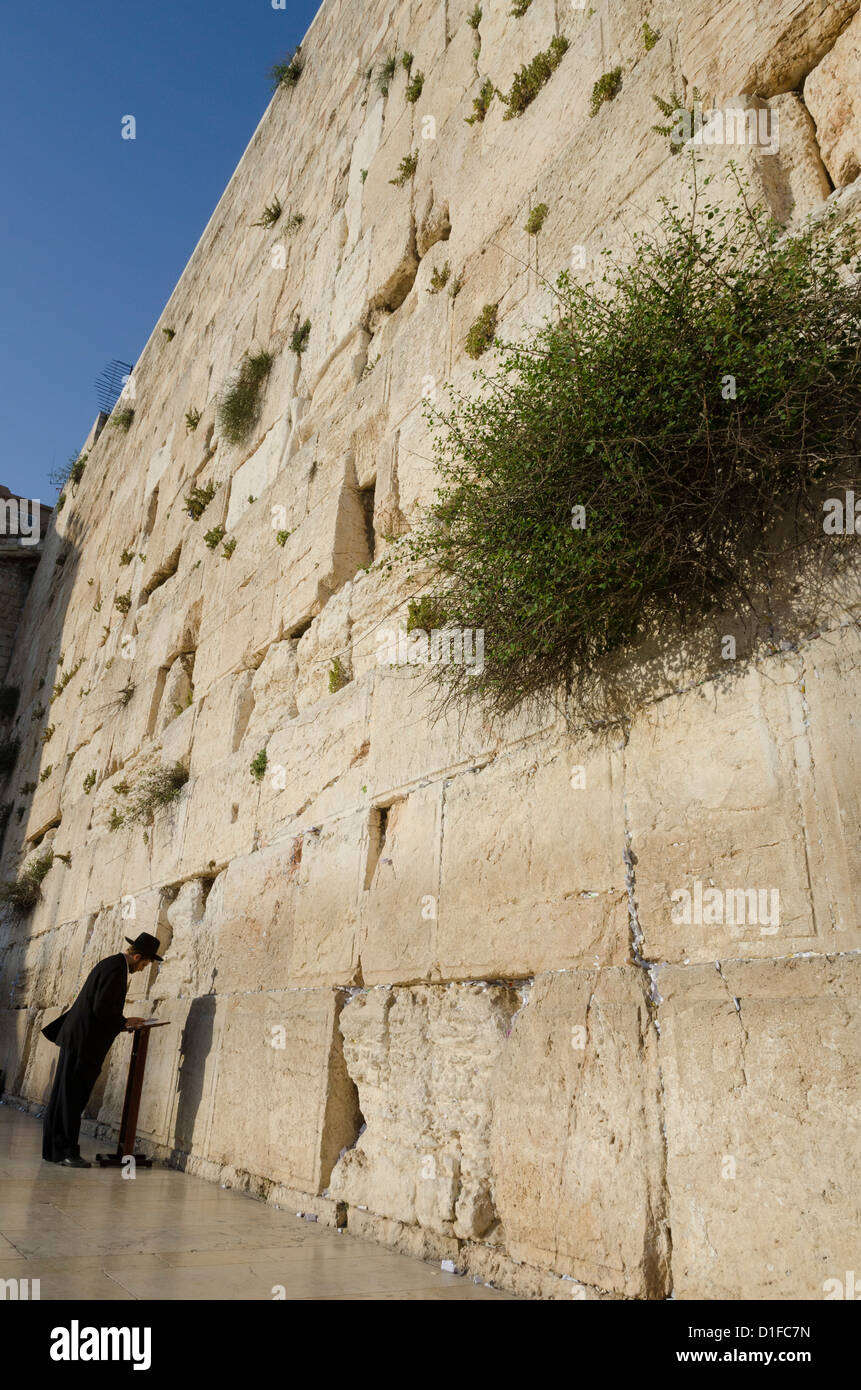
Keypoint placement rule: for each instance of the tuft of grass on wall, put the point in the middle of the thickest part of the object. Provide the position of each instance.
(122, 419)
(439, 278)
(270, 215)
(197, 501)
(159, 787)
(299, 338)
(338, 677)
(650, 36)
(406, 169)
(23, 893)
(385, 73)
(605, 89)
(239, 405)
(535, 220)
(414, 87)
(533, 76)
(288, 72)
(481, 334)
(481, 103)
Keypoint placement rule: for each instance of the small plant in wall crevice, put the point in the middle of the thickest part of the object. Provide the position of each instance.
(23, 893)
(481, 334)
(605, 89)
(535, 220)
(531, 77)
(406, 169)
(270, 215)
(158, 787)
(299, 337)
(197, 501)
(258, 765)
(239, 405)
(288, 72)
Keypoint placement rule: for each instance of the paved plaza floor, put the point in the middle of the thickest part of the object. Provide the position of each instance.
(91, 1234)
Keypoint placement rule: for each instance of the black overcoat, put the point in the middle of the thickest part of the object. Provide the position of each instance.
(89, 1027)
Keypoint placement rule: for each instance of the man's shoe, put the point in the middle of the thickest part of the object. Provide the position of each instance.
(75, 1163)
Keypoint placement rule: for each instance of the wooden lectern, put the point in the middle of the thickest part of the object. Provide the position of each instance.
(131, 1104)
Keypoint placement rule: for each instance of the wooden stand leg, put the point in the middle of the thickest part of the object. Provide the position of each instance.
(131, 1105)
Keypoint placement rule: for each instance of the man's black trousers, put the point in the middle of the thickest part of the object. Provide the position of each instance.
(74, 1080)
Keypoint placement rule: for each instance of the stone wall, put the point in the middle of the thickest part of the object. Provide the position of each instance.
(15, 580)
(420, 978)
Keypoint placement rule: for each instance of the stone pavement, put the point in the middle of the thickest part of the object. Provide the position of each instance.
(91, 1234)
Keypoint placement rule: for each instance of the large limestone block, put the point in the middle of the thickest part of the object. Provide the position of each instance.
(407, 745)
(185, 923)
(577, 1147)
(15, 1030)
(330, 877)
(169, 623)
(400, 905)
(317, 762)
(247, 932)
(284, 1106)
(763, 46)
(320, 557)
(234, 636)
(424, 1060)
(222, 720)
(393, 260)
(49, 967)
(759, 1062)
(525, 888)
(40, 1058)
(795, 179)
(832, 95)
(221, 816)
(273, 692)
(323, 652)
(258, 471)
(743, 792)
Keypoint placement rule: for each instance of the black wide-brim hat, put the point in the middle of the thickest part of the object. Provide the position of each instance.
(146, 945)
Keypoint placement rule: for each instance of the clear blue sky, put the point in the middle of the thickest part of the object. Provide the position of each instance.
(95, 229)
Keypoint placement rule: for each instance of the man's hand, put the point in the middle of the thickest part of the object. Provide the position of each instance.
(133, 1023)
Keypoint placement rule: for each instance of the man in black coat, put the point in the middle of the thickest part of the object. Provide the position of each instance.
(84, 1035)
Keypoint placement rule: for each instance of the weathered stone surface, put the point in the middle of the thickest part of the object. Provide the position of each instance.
(759, 1068)
(765, 768)
(526, 888)
(832, 95)
(577, 1147)
(284, 1105)
(424, 1157)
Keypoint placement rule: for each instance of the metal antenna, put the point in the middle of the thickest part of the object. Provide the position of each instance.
(110, 382)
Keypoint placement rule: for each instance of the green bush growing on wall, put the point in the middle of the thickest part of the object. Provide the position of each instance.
(642, 456)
